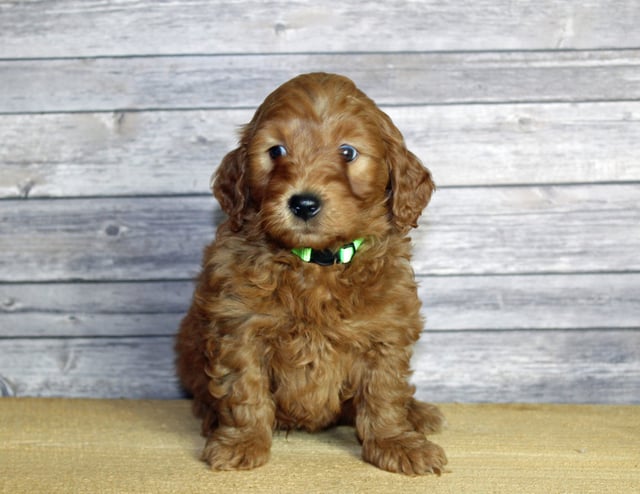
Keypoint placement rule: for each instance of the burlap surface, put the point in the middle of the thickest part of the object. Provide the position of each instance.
(110, 446)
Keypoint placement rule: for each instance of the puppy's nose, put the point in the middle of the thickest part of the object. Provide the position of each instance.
(305, 206)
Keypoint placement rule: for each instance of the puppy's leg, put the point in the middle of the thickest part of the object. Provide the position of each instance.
(190, 365)
(245, 412)
(384, 421)
(425, 417)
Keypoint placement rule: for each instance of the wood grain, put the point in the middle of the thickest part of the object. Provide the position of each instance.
(63, 310)
(518, 366)
(155, 153)
(223, 81)
(450, 303)
(113, 115)
(503, 230)
(584, 366)
(570, 301)
(94, 28)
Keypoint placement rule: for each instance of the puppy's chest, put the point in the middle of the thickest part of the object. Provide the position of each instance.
(322, 301)
(311, 348)
(308, 382)
(316, 319)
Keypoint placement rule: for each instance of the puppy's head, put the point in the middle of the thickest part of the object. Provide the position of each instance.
(320, 165)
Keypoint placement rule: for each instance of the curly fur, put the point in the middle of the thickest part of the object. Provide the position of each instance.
(271, 342)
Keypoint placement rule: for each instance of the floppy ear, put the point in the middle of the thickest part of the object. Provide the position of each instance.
(411, 184)
(229, 185)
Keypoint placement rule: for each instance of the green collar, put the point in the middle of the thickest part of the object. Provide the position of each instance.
(327, 257)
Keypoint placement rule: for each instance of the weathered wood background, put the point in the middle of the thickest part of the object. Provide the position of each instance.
(113, 114)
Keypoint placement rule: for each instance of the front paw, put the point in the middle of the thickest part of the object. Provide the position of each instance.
(229, 450)
(409, 453)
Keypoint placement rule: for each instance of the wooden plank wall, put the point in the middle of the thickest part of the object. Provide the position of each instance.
(113, 114)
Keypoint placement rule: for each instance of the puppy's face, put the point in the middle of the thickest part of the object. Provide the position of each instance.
(317, 165)
(321, 165)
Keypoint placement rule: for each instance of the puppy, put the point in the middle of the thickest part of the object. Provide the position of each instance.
(306, 309)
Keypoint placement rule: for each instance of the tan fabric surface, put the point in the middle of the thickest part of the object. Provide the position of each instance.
(57, 445)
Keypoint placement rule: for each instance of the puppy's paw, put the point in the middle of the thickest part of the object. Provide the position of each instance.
(425, 417)
(409, 453)
(226, 452)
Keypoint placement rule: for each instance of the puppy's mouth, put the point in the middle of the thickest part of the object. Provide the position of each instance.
(303, 220)
(306, 210)
(307, 234)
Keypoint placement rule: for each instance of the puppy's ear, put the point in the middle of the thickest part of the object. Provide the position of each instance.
(410, 184)
(229, 185)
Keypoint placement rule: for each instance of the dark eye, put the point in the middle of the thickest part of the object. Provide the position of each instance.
(278, 151)
(349, 153)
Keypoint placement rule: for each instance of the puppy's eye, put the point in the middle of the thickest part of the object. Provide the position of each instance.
(349, 153)
(278, 151)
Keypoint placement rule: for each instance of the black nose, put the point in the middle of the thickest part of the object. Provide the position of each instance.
(305, 206)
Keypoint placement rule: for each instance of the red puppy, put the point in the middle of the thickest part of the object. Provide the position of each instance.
(306, 309)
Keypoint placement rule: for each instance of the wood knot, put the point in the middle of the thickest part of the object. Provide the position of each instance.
(280, 28)
(24, 188)
(112, 230)
(6, 388)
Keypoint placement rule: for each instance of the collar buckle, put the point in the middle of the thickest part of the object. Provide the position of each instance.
(327, 257)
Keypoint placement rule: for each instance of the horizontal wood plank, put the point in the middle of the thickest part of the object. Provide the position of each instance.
(96, 28)
(503, 230)
(565, 229)
(154, 153)
(117, 239)
(100, 368)
(531, 302)
(563, 366)
(227, 81)
(551, 366)
(62, 310)
(596, 301)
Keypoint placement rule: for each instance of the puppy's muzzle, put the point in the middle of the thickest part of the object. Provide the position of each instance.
(305, 206)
